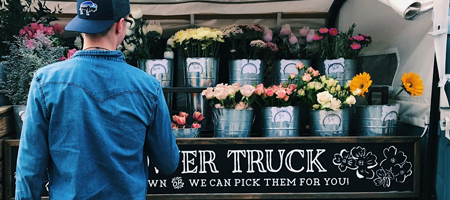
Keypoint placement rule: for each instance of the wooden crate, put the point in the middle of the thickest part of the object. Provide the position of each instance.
(6, 121)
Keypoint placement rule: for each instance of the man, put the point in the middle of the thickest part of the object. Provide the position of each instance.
(91, 121)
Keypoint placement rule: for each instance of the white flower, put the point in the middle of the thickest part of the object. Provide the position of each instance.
(129, 47)
(120, 47)
(247, 90)
(351, 100)
(324, 98)
(133, 23)
(168, 55)
(318, 86)
(78, 43)
(335, 104)
(170, 42)
(129, 32)
(357, 92)
(316, 106)
(135, 12)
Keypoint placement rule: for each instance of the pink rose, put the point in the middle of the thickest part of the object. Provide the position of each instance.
(181, 121)
(289, 91)
(292, 87)
(291, 75)
(299, 65)
(310, 69)
(333, 32)
(317, 37)
(316, 73)
(293, 39)
(304, 31)
(196, 125)
(323, 30)
(230, 90)
(197, 116)
(306, 77)
(269, 92)
(247, 90)
(355, 46)
(286, 30)
(208, 93)
(310, 36)
(241, 106)
(259, 89)
(281, 94)
(286, 98)
(220, 93)
(183, 114)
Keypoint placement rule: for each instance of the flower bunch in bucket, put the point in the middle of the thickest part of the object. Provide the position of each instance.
(322, 92)
(277, 95)
(247, 41)
(334, 44)
(230, 96)
(290, 46)
(198, 42)
(179, 121)
(143, 39)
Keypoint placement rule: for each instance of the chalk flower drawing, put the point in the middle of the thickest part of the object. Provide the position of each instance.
(394, 166)
(177, 183)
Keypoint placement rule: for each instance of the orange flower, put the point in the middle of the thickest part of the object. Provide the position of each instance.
(361, 82)
(412, 83)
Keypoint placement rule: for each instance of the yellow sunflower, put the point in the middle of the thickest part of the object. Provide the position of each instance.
(412, 83)
(360, 84)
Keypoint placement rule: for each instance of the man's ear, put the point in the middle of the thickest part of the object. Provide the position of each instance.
(119, 25)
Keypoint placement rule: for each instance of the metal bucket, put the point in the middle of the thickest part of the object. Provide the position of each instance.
(341, 69)
(280, 121)
(246, 72)
(282, 69)
(19, 111)
(186, 132)
(330, 123)
(232, 123)
(201, 72)
(377, 120)
(161, 69)
(196, 102)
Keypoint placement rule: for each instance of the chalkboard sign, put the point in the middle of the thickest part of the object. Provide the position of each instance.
(308, 167)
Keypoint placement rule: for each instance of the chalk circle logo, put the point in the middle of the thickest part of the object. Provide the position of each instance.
(195, 67)
(177, 182)
(249, 68)
(335, 68)
(158, 69)
(88, 7)
(282, 116)
(332, 119)
(391, 116)
(290, 68)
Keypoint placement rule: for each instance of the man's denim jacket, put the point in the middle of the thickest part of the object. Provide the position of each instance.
(91, 121)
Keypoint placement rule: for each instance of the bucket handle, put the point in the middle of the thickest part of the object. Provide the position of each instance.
(384, 94)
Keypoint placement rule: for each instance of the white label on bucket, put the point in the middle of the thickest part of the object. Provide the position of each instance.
(389, 112)
(157, 66)
(334, 66)
(330, 117)
(283, 114)
(196, 64)
(288, 67)
(250, 66)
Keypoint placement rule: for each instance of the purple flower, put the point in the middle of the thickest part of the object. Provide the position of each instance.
(286, 30)
(364, 162)
(392, 157)
(293, 39)
(402, 171)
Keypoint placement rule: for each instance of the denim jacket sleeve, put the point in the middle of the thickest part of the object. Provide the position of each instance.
(33, 156)
(163, 150)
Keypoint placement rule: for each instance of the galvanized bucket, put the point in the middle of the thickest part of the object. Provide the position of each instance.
(232, 123)
(329, 123)
(246, 72)
(186, 132)
(280, 121)
(19, 111)
(201, 72)
(283, 68)
(340, 69)
(377, 120)
(161, 69)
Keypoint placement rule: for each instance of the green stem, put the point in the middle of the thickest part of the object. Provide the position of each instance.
(392, 99)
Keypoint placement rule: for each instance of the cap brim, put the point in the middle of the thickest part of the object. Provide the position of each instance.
(88, 26)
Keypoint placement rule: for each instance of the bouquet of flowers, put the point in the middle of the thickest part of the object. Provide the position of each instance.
(334, 44)
(291, 46)
(230, 96)
(323, 93)
(246, 41)
(179, 121)
(144, 39)
(199, 42)
(411, 83)
(276, 95)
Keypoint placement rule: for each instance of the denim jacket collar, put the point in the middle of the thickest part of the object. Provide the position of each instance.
(108, 55)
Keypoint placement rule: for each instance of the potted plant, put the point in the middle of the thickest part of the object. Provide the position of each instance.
(381, 120)
(248, 52)
(338, 52)
(179, 125)
(233, 114)
(328, 103)
(144, 44)
(291, 50)
(199, 47)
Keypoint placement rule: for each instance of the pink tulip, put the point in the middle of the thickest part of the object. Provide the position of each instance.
(195, 125)
(333, 32)
(293, 39)
(175, 118)
(286, 30)
(355, 46)
(174, 126)
(269, 92)
(304, 31)
(181, 121)
(183, 114)
(268, 36)
(197, 116)
(310, 37)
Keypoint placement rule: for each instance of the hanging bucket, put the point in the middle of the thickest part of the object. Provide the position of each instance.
(280, 121)
(246, 72)
(161, 69)
(340, 69)
(232, 122)
(283, 68)
(186, 132)
(377, 120)
(201, 72)
(329, 123)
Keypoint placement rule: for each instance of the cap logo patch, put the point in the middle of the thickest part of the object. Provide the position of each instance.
(88, 7)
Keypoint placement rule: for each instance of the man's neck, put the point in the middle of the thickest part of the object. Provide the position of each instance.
(102, 43)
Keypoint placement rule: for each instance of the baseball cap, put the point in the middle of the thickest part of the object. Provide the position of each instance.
(95, 16)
